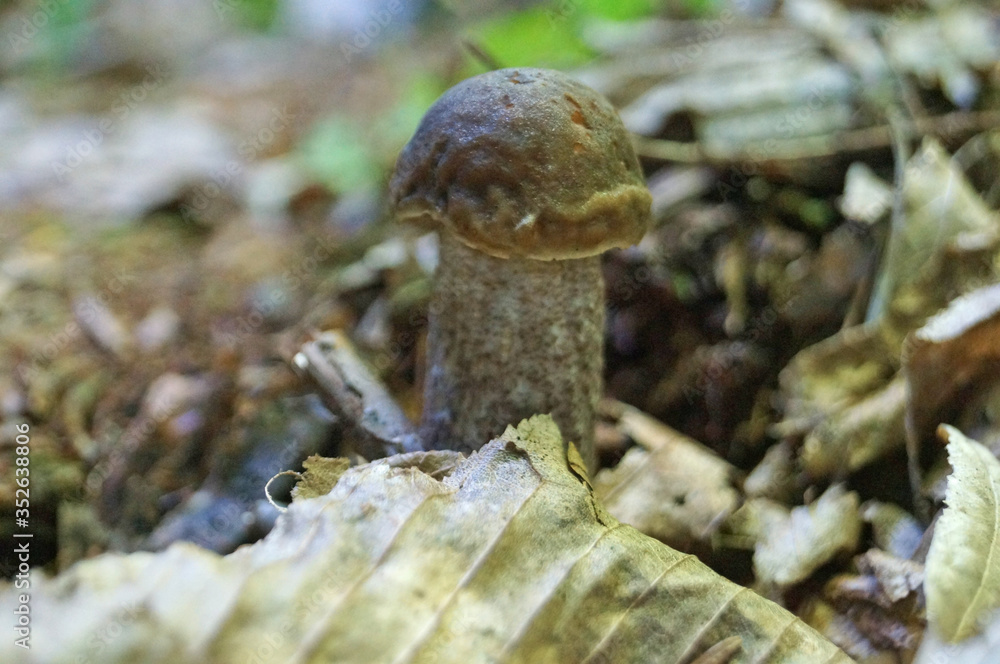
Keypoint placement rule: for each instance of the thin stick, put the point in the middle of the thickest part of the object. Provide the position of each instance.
(945, 127)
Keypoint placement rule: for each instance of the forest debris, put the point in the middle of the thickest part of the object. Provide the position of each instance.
(669, 486)
(955, 352)
(676, 186)
(859, 434)
(883, 581)
(175, 408)
(722, 134)
(979, 649)
(832, 375)
(376, 425)
(101, 324)
(894, 530)
(321, 474)
(78, 405)
(844, 34)
(230, 508)
(843, 393)
(963, 564)
(944, 48)
(898, 578)
(783, 86)
(667, 47)
(945, 248)
(159, 327)
(129, 164)
(508, 558)
(747, 525)
(775, 476)
(792, 546)
(866, 198)
(842, 631)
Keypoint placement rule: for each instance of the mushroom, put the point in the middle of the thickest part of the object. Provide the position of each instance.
(528, 176)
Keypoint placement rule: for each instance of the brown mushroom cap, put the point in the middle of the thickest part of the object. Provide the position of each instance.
(527, 163)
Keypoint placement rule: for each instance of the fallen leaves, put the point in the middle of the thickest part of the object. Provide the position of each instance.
(794, 544)
(507, 558)
(669, 486)
(963, 564)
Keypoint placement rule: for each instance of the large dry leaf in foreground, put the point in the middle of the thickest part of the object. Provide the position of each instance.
(963, 564)
(509, 558)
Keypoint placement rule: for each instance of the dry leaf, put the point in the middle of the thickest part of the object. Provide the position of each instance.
(946, 246)
(866, 197)
(897, 577)
(894, 530)
(774, 476)
(883, 602)
(843, 395)
(508, 559)
(797, 543)
(669, 487)
(745, 527)
(955, 352)
(836, 388)
(963, 564)
(320, 476)
(840, 629)
(858, 435)
(979, 649)
(828, 377)
(944, 47)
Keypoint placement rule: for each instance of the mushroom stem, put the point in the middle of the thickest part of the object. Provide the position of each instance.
(508, 339)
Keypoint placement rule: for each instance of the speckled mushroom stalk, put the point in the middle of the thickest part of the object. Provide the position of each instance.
(500, 349)
(528, 176)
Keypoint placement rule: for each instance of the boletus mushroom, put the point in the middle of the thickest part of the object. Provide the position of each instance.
(528, 176)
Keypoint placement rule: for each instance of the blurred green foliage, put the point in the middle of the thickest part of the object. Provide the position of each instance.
(549, 34)
(397, 125)
(531, 37)
(255, 14)
(62, 26)
(351, 153)
(616, 10)
(346, 156)
(336, 155)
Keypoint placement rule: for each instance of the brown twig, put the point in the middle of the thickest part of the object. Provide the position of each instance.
(948, 126)
(375, 423)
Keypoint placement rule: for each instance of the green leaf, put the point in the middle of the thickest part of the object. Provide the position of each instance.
(397, 126)
(963, 564)
(254, 14)
(535, 37)
(616, 10)
(336, 154)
